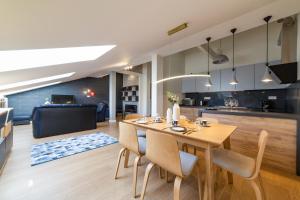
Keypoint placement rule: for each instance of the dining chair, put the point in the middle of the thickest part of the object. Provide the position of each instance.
(162, 150)
(244, 166)
(131, 142)
(140, 133)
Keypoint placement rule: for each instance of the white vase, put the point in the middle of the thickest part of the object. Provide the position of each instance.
(169, 116)
(176, 112)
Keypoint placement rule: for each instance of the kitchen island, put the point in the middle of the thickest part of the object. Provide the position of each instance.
(283, 147)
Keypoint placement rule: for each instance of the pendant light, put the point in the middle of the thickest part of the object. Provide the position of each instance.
(208, 83)
(233, 81)
(267, 76)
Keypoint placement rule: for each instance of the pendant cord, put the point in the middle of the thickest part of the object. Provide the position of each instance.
(208, 58)
(267, 64)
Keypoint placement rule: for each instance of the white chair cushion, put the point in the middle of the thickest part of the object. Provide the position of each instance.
(141, 133)
(142, 145)
(188, 162)
(234, 162)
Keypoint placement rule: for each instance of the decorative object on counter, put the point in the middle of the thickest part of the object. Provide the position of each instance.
(267, 76)
(130, 93)
(234, 80)
(188, 102)
(231, 102)
(88, 93)
(169, 116)
(208, 83)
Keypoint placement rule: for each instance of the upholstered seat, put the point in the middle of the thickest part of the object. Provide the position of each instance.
(142, 145)
(234, 162)
(244, 166)
(141, 133)
(163, 151)
(188, 162)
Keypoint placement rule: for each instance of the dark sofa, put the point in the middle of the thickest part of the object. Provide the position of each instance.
(50, 120)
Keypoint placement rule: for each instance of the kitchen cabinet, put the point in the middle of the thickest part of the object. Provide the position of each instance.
(200, 84)
(216, 81)
(226, 76)
(245, 76)
(188, 85)
(190, 112)
(260, 69)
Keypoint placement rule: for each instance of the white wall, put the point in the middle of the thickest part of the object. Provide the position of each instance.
(250, 48)
(156, 89)
(129, 80)
(173, 65)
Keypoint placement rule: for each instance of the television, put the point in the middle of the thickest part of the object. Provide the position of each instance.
(62, 99)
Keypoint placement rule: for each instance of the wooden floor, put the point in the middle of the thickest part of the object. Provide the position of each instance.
(89, 176)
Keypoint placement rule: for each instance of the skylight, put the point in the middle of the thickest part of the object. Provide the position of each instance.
(28, 89)
(34, 81)
(24, 59)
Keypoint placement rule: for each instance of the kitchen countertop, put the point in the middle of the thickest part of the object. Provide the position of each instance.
(246, 112)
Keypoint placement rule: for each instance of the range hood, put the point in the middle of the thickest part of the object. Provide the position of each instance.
(287, 73)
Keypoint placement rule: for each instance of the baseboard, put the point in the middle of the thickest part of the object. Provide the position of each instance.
(112, 121)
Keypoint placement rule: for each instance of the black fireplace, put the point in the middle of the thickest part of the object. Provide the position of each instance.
(130, 108)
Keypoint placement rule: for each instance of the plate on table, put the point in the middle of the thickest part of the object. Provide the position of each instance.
(178, 129)
(141, 121)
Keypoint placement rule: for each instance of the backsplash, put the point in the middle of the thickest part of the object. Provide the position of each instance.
(277, 98)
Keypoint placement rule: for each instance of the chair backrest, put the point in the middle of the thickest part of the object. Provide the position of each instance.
(263, 137)
(162, 149)
(210, 120)
(133, 116)
(128, 137)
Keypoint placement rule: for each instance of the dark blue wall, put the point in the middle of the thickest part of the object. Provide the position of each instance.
(24, 102)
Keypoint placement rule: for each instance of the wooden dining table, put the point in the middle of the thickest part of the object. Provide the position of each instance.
(206, 138)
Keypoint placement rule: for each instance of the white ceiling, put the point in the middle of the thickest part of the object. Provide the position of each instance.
(137, 27)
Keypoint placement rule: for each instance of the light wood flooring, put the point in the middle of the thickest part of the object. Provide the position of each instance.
(89, 176)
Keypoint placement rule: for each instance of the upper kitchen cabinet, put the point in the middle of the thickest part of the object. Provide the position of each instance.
(226, 76)
(215, 80)
(200, 84)
(245, 76)
(259, 73)
(188, 85)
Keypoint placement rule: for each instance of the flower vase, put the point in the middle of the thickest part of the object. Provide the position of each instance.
(176, 113)
(169, 116)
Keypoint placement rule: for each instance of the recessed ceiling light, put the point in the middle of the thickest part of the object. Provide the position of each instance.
(24, 59)
(34, 81)
(28, 89)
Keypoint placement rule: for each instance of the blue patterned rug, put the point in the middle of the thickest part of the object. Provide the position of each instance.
(45, 152)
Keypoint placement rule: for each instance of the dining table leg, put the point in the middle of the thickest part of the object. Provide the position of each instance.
(227, 146)
(209, 174)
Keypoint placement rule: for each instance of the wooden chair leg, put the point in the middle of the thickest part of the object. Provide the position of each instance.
(199, 182)
(119, 160)
(126, 154)
(262, 187)
(147, 173)
(161, 176)
(256, 189)
(177, 184)
(135, 171)
(195, 151)
(167, 176)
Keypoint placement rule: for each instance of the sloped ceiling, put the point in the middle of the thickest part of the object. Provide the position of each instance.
(137, 27)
